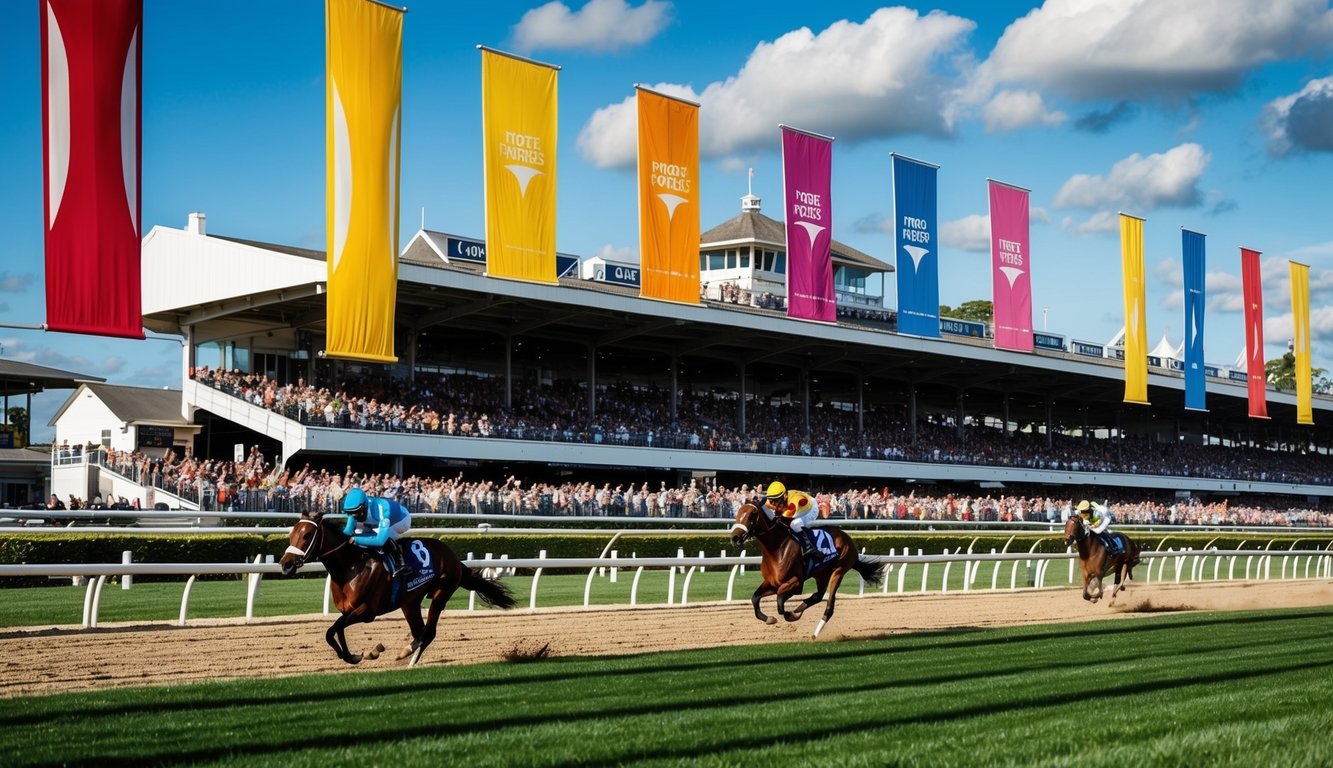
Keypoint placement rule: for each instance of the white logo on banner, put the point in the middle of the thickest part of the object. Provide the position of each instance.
(524, 175)
(917, 253)
(671, 202)
(812, 230)
(1012, 273)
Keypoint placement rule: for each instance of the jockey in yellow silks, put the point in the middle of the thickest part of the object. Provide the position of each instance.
(1098, 519)
(800, 508)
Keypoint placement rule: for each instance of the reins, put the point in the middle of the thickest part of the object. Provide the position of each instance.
(302, 554)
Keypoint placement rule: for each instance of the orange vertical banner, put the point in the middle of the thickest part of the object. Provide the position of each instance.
(668, 197)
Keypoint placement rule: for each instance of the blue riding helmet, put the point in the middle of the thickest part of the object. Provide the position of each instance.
(354, 503)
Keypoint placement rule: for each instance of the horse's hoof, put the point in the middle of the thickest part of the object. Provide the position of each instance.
(354, 658)
(791, 616)
(403, 654)
(770, 621)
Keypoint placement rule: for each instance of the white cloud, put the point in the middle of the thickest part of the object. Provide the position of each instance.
(1141, 183)
(14, 283)
(885, 76)
(1301, 121)
(1011, 110)
(600, 26)
(1097, 223)
(1037, 213)
(622, 253)
(1145, 49)
(970, 233)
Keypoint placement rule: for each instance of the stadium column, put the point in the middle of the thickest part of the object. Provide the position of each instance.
(675, 395)
(509, 371)
(741, 404)
(592, 379)
(911, 411)
(805, 380)
(1050, 406)
(958, 420)
(860, 405)
(1006, 414)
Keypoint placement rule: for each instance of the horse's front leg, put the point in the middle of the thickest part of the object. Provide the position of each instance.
(1119, 583)
(786, 590)
(1087, 578)
(336, 635)
(821, 588)
(763, 591)
(412, 612)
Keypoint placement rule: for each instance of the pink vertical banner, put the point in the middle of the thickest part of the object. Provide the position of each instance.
(1011, 263)
(807, 173)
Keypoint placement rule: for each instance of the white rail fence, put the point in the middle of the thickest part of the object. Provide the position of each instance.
(1191, 565)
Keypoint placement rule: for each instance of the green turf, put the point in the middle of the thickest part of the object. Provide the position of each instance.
(1226, 689)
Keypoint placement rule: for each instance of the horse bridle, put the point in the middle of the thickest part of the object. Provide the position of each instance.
(301, 554)
(1081, 534)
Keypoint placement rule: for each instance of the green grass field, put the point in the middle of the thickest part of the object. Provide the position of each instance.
(1229, 689)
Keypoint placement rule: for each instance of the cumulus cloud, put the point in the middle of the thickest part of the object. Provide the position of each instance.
(1222, 290)
(1301, 121)
(1011, 110)
(620, 253)
(600, 26)
(1147, 49)
(970, 233)
(873, 223)
(1141, 183)
(888, 75)
(1098, 223)
(1103, 120)
(14, 283)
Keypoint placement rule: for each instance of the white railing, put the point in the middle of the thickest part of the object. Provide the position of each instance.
(1258, 564)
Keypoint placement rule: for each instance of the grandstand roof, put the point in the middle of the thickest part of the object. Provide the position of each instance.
(134, 405)
(753, 226)
(19, 378)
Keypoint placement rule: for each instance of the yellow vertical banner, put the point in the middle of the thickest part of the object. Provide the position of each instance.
(668, 197)
(518, 127)
(363, 86)
(1136, 331)
(1300, 340)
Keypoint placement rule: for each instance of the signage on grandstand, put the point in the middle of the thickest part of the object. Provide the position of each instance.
(1116, 353)
(1086, 348)
(1154, 361)
(1212, 370)
(1048, 341)
(956, 327)
(1237, 376)
(617, 274)
(154, 437)
(466, 250)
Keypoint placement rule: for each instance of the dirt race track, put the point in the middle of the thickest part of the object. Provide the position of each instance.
(49, 660)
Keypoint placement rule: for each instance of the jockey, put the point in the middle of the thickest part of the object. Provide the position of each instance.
(388, 519)
(799, 508)
(1098, 519)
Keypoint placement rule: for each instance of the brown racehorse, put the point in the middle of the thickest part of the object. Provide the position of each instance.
(783, 568)
(1098, 561)
(362, 587)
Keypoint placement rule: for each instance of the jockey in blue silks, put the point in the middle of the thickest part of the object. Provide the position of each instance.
(388, 519)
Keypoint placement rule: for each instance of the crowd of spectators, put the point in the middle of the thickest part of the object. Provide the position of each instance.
(474, 406)
(256, 485)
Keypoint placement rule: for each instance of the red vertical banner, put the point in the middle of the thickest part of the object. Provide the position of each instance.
(92, 57)
(1253, 292)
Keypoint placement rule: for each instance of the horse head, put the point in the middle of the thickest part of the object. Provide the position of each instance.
(743, 528)
(1074, 530)
(303, 542)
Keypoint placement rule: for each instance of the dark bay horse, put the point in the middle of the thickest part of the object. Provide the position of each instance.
(1098, 561)
(783, 568)
(362, 588)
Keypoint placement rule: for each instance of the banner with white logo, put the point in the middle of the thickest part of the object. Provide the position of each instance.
(364, 87)
(92, 58)
(1300, 340)
(1192, 250)
(518, 127)
(668, 197)
(807, 174)
(914, 228)
(1011, 278)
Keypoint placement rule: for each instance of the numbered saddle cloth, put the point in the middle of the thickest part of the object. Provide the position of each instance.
(825, 551)
(417, 569)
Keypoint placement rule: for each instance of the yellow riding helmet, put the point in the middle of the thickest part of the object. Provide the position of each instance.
(1084, 506)
(776, 490)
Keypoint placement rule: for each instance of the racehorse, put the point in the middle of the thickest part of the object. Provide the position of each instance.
(783, 568)
(1098, 561)
(363, 588)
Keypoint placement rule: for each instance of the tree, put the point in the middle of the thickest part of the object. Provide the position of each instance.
(1281, 373)
(976, 310)
(17, 419)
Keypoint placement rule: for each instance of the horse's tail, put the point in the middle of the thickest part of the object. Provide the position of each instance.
(493, 593)
(873, 573)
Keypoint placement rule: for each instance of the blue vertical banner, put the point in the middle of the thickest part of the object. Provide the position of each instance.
(1192, 250)
(915, 223)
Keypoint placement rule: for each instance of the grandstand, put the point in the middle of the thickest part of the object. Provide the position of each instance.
(586, 378)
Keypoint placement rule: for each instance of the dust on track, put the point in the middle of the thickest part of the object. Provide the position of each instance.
(51, 660)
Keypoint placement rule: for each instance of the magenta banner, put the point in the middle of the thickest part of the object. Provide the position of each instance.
(1011, 263)
(807, 172)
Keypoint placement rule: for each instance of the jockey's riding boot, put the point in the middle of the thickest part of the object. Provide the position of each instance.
(395, 556)
(807, 541)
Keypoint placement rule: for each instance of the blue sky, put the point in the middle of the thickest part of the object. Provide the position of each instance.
(1220, 123)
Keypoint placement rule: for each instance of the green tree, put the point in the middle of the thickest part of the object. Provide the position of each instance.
(1281, 373)
(18, 421)
(976, 310)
